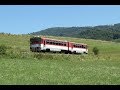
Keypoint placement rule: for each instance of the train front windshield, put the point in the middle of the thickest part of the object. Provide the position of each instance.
(35, 40)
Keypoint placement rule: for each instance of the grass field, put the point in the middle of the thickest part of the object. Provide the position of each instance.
(20, 66)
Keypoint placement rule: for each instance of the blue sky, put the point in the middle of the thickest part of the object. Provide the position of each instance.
(23, 19)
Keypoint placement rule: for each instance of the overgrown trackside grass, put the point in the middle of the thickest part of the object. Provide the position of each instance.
(20, 66)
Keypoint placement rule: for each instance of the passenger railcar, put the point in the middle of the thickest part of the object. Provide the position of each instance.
(38, 44)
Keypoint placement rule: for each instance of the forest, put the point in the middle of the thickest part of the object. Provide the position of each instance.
(100, 32)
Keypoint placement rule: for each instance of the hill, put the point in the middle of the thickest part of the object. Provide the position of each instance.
(101, 32)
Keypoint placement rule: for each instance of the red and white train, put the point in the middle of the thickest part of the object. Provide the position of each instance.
(38, 44)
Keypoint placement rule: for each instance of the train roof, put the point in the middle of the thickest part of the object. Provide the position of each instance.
(55, 39)
(79, 43)
(58, 40)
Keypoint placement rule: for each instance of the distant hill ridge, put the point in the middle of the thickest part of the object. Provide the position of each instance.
(101, 32)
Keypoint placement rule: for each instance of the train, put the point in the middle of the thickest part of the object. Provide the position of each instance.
(43, 44)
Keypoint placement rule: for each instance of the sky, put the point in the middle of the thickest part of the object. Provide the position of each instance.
(23, 19)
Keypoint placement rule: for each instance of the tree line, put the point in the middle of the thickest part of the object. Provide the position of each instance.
(101, 32)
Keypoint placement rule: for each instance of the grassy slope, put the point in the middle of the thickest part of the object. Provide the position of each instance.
(62, 69)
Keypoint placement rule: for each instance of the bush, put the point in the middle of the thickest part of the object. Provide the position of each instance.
(95, 51)
(3, 49)
(116, 40)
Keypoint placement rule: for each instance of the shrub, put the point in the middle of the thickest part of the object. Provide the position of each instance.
(3, 49)
(95, 51)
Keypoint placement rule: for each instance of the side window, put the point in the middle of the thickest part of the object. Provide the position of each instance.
(59, 43)
(80, 46)
(47, 41)
(56, 43)
(73, 45)
(50, 42)
(64, 44)
(77, 46)
(83, 46)
(53, 42)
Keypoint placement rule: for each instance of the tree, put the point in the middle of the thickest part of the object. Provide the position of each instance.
(116, 36)
(95, 51)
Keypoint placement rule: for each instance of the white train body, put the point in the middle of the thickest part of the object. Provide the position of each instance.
(46, 44)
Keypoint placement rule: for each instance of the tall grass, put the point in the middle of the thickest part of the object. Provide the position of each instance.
(60, 71)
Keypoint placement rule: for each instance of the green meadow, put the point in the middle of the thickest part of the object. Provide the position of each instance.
(19, 66)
